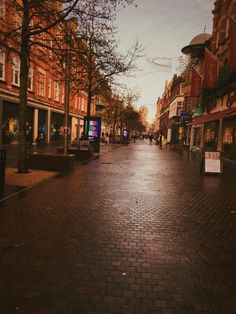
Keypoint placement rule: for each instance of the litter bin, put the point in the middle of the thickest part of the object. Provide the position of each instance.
(2, 166)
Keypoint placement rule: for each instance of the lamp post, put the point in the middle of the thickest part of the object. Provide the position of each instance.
(67, 90)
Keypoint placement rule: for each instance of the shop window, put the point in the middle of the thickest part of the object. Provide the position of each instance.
(16, 72)
(2, 65)
(197, 137)
(211, 135)
(41, 83)
(56, 91)
(228, 136)
(229, 139)
(63, 95)
(30, 80)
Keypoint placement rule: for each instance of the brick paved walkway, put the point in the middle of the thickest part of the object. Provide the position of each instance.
(136, 231)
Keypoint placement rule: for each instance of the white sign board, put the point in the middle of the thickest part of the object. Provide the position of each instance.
(213, 162)
(84, 145)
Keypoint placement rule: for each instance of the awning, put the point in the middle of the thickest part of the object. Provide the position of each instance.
(224, 114)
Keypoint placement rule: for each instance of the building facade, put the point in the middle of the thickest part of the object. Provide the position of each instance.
(143, 111)
(218, 123)
(46, 94)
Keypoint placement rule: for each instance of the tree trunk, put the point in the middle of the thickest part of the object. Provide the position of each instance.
(24, 70)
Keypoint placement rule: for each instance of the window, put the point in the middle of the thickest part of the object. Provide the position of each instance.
(30, 79)
(16, 72)
(2, 9)
(2, 65)
(41, 82)
(49, 88)
(63, 95)
(56, 91)
(227, 28)
(82, 104)
(76, 102)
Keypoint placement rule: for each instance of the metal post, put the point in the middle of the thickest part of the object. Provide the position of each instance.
(220, 136)
(1, 121)
(48, 126)
(67, 93)
(36, 122)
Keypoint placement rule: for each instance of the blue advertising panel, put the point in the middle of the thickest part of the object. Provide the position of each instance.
(94, 127)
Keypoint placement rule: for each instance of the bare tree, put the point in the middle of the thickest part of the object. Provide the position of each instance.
(37, 22)
(98, 48)
(32, 20)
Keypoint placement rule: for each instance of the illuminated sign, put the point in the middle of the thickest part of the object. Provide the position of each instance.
(94, 127)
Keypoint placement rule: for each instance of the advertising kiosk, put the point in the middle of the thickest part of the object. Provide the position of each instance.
(92, 126)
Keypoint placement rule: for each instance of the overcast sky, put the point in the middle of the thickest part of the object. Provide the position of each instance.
(163, 28)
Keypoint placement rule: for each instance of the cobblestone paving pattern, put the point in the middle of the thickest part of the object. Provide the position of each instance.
(137, 231)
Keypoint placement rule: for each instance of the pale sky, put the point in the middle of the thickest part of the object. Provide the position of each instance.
(163, 28)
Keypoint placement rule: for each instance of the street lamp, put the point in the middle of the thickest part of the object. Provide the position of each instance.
(67, 88)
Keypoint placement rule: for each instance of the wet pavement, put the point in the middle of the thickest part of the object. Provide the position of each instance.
(15, 182)
(138, 230)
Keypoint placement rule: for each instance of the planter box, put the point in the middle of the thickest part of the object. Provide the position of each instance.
(71, 150)
(55, 162)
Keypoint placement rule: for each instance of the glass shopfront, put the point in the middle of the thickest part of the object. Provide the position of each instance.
(42, 125)
(57, 127)
(197, 138)
(211, 135)
(11, 123)
(229, 138)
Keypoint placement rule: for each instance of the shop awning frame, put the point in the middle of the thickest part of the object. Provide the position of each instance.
(224, 114)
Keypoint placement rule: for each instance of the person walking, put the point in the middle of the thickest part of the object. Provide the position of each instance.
(150, 138)
(160, 140)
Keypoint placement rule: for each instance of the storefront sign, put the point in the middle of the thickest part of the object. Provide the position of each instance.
(213, 162)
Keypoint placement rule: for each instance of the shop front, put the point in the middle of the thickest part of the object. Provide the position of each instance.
(211, 130)
(57, 123)
(196, 146)
(229, 138)
(216, 132)
(42, 123)
(10, 123)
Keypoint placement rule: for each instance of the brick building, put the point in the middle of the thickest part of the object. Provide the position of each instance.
(213, 109)
(46, 100)
(218, 122)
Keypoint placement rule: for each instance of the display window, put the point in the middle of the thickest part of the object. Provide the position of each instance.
(229, 138)
(211, 135)
(11, 123)
(197, 137)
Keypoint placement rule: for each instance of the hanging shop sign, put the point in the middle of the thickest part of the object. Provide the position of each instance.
(197, 112)
(231, 99)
